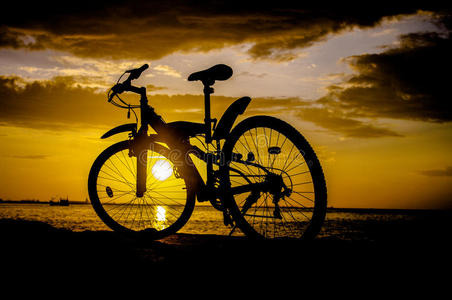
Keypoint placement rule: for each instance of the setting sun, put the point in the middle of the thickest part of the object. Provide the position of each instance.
(162, 169)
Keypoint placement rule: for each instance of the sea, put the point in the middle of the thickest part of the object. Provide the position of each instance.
(344, 224)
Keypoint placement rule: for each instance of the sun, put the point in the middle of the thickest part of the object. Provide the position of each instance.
(162, 170)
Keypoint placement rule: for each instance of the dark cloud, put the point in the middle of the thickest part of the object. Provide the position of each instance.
(61, 103)
(410, 81)
(447, 171)
(152, 29)
(53, 104)
(338, 122)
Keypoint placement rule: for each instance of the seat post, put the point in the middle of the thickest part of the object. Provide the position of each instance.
(207, 120)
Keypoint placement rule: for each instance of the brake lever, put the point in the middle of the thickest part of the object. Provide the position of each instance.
(119, 88)
(116, 89)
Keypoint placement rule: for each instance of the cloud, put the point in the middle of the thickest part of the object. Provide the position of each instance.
(333, 120)
(152, 29)
(338, 122)
(167, 70)
(447, 171)
(64, 104)
(250, 74)
(87, 72)
(407, 82)
(52, 104)
(153, 88)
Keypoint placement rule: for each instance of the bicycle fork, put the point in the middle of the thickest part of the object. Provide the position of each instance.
(142, 159)
(140, 150)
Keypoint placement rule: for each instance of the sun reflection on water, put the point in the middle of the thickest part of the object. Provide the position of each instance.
(161, 214)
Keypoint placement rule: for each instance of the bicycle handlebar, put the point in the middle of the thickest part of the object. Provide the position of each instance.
(126, 86)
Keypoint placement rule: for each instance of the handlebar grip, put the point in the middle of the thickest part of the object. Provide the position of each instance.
(135, 73)
(143, 67)
(140, 69)
(118, 88)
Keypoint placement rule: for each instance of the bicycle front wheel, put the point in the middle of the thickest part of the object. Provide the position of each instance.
(164, 208)
(276, 184)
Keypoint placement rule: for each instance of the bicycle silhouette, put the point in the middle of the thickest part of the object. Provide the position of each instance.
(262, 174)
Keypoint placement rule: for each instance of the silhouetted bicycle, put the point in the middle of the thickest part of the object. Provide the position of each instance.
(262, 175)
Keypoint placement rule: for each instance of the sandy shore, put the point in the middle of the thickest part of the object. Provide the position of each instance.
(398, 249)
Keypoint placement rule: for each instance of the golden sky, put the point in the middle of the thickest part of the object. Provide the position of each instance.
(368, 88)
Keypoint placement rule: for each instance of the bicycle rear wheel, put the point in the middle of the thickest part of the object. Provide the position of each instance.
(275, 157)
(164, 208)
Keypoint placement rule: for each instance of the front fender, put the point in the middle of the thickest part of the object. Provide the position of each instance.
(121, 128)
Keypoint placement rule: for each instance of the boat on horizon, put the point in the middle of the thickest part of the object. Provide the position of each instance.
(61, 202)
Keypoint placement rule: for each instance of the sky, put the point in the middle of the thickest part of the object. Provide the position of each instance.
(368, 87)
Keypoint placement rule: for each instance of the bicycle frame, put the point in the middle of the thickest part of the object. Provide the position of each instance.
(177, 140)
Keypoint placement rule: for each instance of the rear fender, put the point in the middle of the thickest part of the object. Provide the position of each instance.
(121, 128)
(224, 126)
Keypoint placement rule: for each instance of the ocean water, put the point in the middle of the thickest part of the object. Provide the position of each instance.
(353, 224)
(81, 217)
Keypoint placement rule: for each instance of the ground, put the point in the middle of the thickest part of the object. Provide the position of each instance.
(417, 250)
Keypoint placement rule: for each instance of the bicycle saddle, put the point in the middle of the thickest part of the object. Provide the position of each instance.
(217, 72)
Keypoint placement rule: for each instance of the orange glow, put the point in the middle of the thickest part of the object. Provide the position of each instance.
(379, 147)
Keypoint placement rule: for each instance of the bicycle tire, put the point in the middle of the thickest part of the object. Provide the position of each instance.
(154, 216)
(292, 212)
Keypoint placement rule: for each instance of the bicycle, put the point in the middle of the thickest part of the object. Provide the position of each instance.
(262, 174)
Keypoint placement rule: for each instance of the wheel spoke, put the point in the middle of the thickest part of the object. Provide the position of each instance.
(275, 213)
(164, 203)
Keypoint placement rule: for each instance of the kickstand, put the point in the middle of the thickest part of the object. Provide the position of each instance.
(232, 230)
